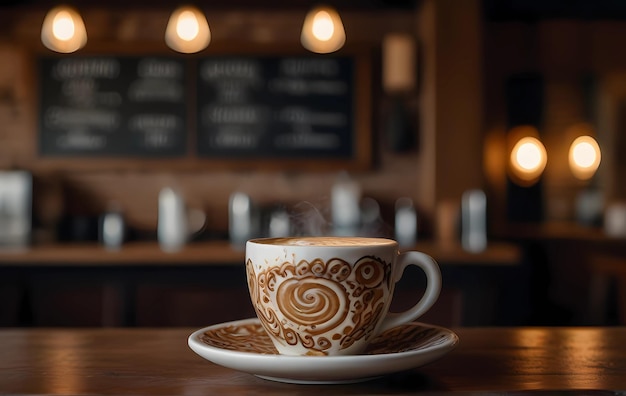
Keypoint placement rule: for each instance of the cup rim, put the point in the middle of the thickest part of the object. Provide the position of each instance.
(367, 242)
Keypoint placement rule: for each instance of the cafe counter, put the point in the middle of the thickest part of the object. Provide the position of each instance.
(141, 285)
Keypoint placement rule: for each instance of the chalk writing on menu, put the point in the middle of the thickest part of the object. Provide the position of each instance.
(279, 107)
(113, 106)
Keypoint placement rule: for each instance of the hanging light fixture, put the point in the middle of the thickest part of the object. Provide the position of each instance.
(322, 31)
(63, 30)
(187, 30)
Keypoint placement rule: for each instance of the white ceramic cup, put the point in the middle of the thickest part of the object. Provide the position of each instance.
(331, 295)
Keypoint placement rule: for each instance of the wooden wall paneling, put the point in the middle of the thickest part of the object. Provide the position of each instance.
(56, 302)
(451, 130)
(180, 305)
(11, 297)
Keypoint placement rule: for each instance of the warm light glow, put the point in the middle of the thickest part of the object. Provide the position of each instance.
(528, 156)
(63, 26)
(323, 28)
(584, 157)
(63, 30)
(187, 30)
(528, 159)
(322, 31)
(187, 26)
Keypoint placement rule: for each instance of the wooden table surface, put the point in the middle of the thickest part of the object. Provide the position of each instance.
(143, 361)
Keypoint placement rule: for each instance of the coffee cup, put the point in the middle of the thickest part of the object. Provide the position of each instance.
(330, 296)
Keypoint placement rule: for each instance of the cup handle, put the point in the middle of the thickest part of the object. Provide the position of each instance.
(433, 287)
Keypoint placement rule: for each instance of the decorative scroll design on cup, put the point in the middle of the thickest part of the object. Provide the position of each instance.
(321, 305)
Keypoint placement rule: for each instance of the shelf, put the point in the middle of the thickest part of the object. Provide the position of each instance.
(496, 254)
(217, 253)
(568, 231)
(135, 253)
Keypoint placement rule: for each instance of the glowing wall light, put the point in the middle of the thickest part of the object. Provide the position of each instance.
(63, 30)
(187, 30)
(528, 160)
(322, 31)
(584, 157)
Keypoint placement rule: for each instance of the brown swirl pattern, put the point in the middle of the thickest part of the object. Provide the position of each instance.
(319, 303)
(252, 338)
(307, 301)
(245, 338)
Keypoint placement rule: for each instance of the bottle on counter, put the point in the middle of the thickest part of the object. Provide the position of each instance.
(172, 228)
(112, 228)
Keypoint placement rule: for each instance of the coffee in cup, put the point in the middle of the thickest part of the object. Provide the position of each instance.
(330, 296)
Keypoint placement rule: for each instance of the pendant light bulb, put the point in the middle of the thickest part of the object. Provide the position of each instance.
(322, 31)
(187, 30)
(584, 157)
(63, 30)
(527, 161)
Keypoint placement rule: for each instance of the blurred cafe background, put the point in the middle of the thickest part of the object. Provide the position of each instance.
(143, 142)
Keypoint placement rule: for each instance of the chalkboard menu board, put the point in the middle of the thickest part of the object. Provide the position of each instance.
(206, 110)
(113, 107)
(275, 107)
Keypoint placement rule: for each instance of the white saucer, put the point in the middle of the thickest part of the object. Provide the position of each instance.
(243, 345)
